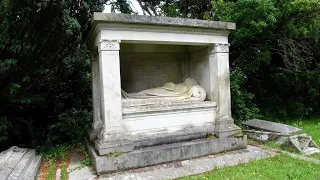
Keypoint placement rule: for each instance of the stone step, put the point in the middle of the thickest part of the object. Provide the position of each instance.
(19, 164)
(10, 159)
(22, 165)
(33, 169)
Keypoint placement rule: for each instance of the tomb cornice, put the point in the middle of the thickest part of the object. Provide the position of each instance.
(124, 24)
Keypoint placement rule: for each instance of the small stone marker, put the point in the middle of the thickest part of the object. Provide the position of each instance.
(271, 126)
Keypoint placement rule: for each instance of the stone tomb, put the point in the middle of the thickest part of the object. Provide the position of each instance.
(145, 54)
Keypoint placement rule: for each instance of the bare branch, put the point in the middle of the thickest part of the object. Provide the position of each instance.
(296, 53)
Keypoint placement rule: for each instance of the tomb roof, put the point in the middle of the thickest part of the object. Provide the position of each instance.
(161, 20)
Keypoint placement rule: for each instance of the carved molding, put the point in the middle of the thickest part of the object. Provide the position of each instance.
(218, 48)
(109, 45)
(159, 28)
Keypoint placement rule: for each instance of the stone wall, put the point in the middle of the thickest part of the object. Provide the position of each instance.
(146, 66)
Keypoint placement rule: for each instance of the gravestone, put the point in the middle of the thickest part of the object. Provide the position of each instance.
(158, 85)
(281, 134)
(271, 126)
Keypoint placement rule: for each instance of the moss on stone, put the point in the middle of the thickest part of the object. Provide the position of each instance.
(116, 154)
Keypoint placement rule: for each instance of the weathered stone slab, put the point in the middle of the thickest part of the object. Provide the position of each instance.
(22, 165)
(168, 106)
(163, 153)
(19, 163)
(8, 165)
(263, 136)
(33, 169)
(160, 20)
(175, 169)
(271, 126)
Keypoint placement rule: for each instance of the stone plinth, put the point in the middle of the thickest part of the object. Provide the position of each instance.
(133, 53)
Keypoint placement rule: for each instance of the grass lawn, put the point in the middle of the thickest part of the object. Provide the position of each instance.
(277, 167)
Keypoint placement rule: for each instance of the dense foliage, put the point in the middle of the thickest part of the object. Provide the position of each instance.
(45, 92)
(274, 53)
(276, 46)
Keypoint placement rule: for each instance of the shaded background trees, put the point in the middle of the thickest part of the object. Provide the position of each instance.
(45, 81)
(45, 92)
(274, 54)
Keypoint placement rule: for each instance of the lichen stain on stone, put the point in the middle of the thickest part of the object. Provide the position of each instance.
(116, 154)
(239, 135)
(209, 135)
(213, 98)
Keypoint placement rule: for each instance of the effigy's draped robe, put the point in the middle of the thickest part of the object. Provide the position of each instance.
(189, 90)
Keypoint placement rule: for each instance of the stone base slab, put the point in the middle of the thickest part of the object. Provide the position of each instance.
(230, 131)
(163, 153)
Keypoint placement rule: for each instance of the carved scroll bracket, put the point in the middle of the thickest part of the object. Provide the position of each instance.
(218, 48)
(109, 45)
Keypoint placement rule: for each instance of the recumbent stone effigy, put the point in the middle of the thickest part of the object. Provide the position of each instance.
(159, 84)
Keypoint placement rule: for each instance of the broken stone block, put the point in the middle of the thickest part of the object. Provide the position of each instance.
(304, 144)
(264, 136)
(271, 126)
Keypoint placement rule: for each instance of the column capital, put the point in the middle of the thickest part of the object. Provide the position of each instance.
(109, 45)
(218, 48)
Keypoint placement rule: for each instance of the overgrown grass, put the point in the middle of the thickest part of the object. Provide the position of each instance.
(52, 170)
(285, 147)
(277, 167)
(309, 126)
(57, 157)
(59, 151)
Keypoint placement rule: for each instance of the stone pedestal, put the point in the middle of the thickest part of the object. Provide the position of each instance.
(134, 53)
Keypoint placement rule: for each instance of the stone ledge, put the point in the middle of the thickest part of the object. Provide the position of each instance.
(160, 20)
(163, 153)
(167, 107)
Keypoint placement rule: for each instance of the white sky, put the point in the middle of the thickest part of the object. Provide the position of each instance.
(133, 4)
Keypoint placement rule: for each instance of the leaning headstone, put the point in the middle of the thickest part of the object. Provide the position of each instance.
(271, 126)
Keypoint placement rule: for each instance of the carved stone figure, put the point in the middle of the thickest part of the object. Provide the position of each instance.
(189, 89)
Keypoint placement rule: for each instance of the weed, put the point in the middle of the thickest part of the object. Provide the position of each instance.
(59, 151)
(64, 174)
(52, 170)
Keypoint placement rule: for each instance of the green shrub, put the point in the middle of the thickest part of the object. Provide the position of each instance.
(241, 100)
(70, 129)
(4, 125)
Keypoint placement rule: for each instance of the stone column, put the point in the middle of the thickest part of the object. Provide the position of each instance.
(97, 122)
(220, 92)
(112, 137)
